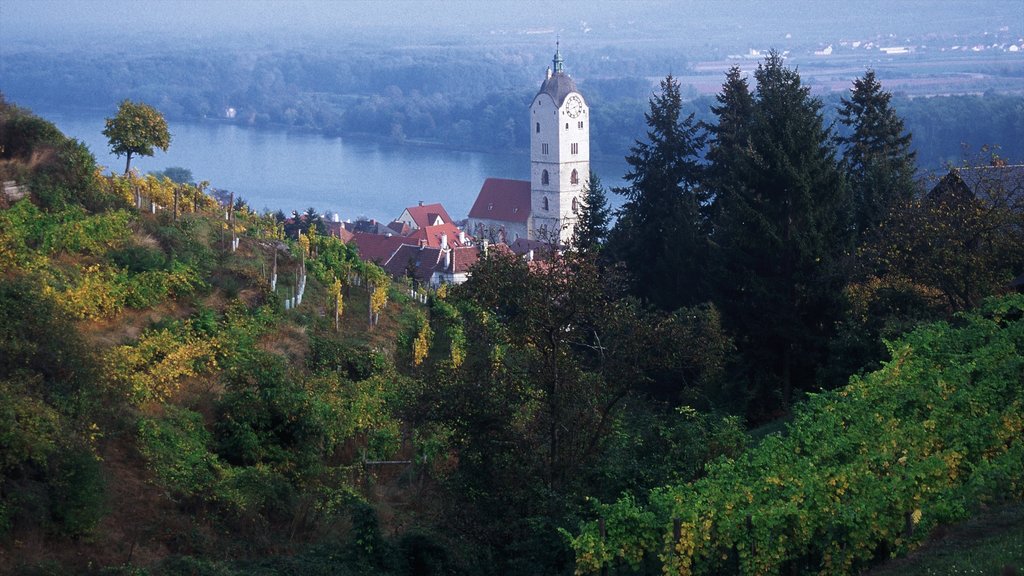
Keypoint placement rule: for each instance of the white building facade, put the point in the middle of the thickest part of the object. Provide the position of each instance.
(559, 155)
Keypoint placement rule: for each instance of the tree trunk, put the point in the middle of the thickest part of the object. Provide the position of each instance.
(127, 163)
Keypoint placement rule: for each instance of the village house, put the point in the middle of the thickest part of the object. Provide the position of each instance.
(545, 207)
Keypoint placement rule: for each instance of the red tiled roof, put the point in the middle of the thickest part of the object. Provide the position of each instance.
(503, 199)
(377, 247)
(431, 235)
(425, 214)
(463, 258)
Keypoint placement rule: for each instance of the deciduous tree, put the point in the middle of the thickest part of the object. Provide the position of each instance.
(136, 130)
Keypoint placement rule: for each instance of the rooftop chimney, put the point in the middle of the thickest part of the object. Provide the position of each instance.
(444, 241)
(421, 202)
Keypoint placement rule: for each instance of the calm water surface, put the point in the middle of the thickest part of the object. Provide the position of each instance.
(290, 171)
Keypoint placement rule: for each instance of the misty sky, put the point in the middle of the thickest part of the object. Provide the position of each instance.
(68, 22)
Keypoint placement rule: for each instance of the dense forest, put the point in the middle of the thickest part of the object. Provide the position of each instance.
(457, 96)
(785, 356)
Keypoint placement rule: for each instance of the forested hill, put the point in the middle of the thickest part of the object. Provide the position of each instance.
(461, 96)
(188, 387)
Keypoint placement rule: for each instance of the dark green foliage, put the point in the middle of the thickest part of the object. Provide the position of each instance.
(177, 446)
(76, 490)
(782, 230)
(877, 157)
(188, 241)
(661, 230)
(24, 133)
(355, 364)
(420, 554)
(38, 337)
(265, 417)
(594, 216)
(135, 258)
(655, 445)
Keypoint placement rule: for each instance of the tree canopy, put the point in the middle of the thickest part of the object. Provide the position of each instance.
(136, 130)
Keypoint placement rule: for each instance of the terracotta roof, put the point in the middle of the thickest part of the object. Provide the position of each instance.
(463, 258)
(504, 200)
(426, 214)
(558, 86)
(377, 247)
(431, 235)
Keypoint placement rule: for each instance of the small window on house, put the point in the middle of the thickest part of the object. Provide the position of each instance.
(490, 206)
(544, 203)
(575, 206)
(538, 127)
(544, 148)
(544, 179)
(574, 148)
(574, 178)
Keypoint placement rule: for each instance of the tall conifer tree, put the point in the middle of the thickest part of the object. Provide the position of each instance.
(730, 134)
(593, 218)
(661, 231)
(877, 157)
(782, 227)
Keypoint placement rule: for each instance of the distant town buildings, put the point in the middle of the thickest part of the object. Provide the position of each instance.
(525, 217)
(545, 207)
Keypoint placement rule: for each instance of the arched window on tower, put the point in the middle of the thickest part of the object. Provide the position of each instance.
(544, 203)
(544, 179)
(538, 127)
(575, 206)
(574, 178)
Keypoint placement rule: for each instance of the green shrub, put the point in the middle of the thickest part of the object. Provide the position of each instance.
(354, 363)
(177, 448)
(77, 491)
(135, 258)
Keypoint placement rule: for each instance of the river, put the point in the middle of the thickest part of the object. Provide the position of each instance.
(277, 169)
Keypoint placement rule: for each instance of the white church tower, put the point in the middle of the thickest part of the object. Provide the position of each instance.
(559, 155)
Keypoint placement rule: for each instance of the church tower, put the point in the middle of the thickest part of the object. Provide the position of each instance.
(559, 155)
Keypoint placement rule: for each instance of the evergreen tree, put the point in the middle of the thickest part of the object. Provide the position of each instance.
(877, 157)
(593, 218)
(782, 230)
(661, 231)
(729, 136)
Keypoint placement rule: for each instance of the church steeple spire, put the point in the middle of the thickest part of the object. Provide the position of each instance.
(556, 62)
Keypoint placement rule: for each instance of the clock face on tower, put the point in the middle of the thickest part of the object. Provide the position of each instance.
(574, 106)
